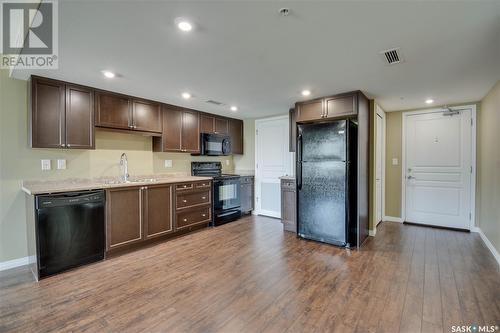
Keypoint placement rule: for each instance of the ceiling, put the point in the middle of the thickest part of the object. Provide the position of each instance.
(245, 53)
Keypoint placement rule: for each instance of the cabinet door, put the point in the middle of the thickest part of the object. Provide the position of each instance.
(236, 134)
(288, 210)
(341, 106)
(47, 114)
(190, 131)
(146, 116)
(246, 197)
(172, 129)
(113, 110)
(207, 124)
(158, 211)
(79, 117)
(123, 217)
(311, 110)
(221, 126)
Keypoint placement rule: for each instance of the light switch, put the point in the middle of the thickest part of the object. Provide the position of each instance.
(46, 165)
(395, 161)
(168, 163)
(61, 164)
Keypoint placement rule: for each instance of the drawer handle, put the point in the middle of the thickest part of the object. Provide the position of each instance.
(203, 198)
(185, 186)
(185, 220)
(184, 201)
(203, 184)
(203, 215)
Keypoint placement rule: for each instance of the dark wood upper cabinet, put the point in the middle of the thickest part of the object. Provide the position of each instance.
(62, 115)
(113, 110)
(170, 140)
(146, 116)
(207, 123)
(79, 117)
(47, 113)
(190, 141)
(292, 144)
(340, 106)
(221, 126)
(310, 110)
(158, 210)
(236, 135)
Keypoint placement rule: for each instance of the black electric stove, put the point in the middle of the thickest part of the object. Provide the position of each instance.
(226, 191)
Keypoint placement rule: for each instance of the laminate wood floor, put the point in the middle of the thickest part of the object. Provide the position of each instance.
(250, 276)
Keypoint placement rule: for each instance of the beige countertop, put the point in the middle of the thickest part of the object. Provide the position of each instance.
(244, 172)
(288, 177)
(83, 184)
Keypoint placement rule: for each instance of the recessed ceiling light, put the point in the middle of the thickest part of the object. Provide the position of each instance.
(184, 25)
(234, 108)
(306, 92)
(108, 74)
(429, 101)
(186, 95)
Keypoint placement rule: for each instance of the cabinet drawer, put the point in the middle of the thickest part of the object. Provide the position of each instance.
(288, 184)
(193, 216)
(192, 199)
(205, 184)
(184, 187)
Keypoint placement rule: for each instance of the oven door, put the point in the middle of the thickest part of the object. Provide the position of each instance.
(215, 144)
(226, 194)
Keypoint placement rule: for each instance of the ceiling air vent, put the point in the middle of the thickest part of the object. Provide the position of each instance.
(392, 56)
(210, 101)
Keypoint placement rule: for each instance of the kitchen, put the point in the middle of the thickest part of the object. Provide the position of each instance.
(217, 186)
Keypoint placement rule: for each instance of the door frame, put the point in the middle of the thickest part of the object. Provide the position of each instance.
(472, 108)
(257, 202)
(379, 112)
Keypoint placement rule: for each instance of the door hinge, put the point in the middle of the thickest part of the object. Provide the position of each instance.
(470, 216)
(257, 132)
(257, 199)
(256, 165)
(471, 169)
(471, 122)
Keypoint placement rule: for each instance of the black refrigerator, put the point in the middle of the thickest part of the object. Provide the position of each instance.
(327, 182)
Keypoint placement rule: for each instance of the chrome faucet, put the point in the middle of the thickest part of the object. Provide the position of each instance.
(124, 167)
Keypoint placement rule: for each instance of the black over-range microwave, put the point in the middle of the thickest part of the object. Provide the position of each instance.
(215, 144)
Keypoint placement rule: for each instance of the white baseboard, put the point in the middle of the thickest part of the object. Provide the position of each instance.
(488, 244)
(372, 232)
(393, 219)
(14, 263)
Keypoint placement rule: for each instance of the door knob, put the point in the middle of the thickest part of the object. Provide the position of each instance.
(411, 177)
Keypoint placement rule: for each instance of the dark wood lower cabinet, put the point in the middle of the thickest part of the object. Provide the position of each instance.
(158, 210)
(288, 205)
(141, 213)
(123, 217)
(247, 194)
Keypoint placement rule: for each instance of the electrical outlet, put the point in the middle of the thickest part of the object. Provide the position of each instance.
(168, 163)
(227, 162)
(61, 164)
(395, 161)
(46, 165)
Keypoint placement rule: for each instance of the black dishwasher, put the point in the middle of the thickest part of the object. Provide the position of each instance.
(69, 230)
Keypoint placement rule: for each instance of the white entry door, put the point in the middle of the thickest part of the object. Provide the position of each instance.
(439, 168)
(379, 168)
(273, 160)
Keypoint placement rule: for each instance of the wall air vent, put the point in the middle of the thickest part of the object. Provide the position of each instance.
(392, 56)
(210, 101)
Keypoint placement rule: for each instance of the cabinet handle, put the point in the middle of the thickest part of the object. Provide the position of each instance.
(185, 220)
(203, 215)
(203, 198)
(68, 145)
(184, 201)
(185, 186)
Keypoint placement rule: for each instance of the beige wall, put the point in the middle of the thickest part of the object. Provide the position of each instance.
(19, 162)
(488, 167)
(246, 162)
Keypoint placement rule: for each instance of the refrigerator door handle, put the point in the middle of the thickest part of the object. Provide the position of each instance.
(299, 162)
